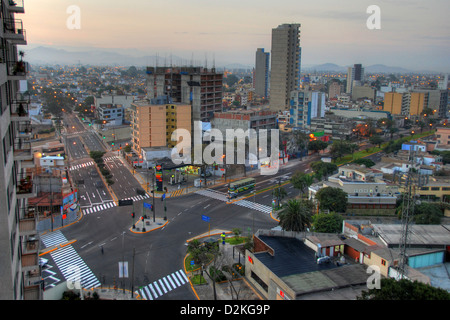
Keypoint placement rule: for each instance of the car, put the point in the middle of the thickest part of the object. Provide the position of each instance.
(94, 173)
(99, 184)
(43, 263)
(323, 260)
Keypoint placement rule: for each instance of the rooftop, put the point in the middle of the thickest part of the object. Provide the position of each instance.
(296, 265)
(420, 235)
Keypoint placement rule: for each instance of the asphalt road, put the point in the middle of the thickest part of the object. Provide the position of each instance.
(156, 254)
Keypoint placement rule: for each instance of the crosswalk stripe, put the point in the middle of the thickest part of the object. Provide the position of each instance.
(153, 290)
(162, 285)
(176, 280)
(167, 283)
(157, 288)
(180, 277)
(148, 293)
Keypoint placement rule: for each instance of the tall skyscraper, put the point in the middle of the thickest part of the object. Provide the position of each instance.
(285, 65)
(20, 272)
(261, 77)
(355, 75)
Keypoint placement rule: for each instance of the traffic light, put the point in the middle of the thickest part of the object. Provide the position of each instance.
(104, 137)
(112, 144)
(132, 215)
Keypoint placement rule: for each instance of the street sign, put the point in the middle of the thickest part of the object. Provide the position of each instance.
(123, 269)
(205, 218)
(163, 196)
(148, 205)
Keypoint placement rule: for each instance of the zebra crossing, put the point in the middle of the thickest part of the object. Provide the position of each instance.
(100, 207)
(254, 206)
(111, 158)
(111, 204)
(243, 203)
(53, 239)
(213, 194)
(81, 165)
(72, 267)
(162, 286)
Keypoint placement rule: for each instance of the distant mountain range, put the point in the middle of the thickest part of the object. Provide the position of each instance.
(376, 68)
(90, 56)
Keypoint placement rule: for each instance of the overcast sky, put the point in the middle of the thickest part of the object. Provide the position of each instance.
(414, 34)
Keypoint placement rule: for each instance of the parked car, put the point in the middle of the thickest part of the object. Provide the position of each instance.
(43, 262)
(99, 184)
(323, 260)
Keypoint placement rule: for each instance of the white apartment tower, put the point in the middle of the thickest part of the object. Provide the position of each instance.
(20, 273)
(285, 65)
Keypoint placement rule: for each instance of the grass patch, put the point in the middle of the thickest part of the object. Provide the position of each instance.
(364, 153)
(198, 279)
(235, 240)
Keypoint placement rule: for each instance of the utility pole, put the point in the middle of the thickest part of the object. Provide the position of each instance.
(412, 181)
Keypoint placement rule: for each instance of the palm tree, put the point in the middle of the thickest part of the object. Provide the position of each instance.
(296, 216)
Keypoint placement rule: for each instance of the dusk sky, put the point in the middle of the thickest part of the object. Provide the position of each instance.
(414, 34)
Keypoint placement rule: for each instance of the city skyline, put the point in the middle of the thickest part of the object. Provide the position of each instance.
(332, 32)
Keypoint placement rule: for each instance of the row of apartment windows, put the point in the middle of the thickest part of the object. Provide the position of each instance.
(435, 188)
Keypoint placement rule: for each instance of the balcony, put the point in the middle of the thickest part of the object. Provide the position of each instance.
(30, 262)
(32, 293)
(19, 111)
(24, 129)
(17, 70)
(22, 150)
(26, 189)
(14, 32)
(16, 6)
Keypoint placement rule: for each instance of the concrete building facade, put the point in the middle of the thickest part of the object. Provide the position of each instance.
(285, 65)
(153, 124)
(262, 65)
(201, 88)
(19, 240)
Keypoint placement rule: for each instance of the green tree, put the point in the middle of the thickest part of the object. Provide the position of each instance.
(427, 213)
(391, 289)
(296, 215)
(333, 199)
(363, 161)
(329, 223)
(376, 140)
(323, 169)
(301, 181)
(339, 148)
(317, 145)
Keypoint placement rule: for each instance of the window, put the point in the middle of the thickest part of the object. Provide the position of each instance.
(435, 188)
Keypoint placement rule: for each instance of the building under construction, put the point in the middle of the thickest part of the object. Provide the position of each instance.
(197, 86)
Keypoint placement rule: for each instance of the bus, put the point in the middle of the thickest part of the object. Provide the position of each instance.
(239, 187)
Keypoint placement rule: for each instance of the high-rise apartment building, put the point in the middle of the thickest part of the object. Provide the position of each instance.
(285, 65)
(261, 75)
(355, 76)
(199, 87)
(305, 105)
(153, 123)
(20, 273)
(406, 104)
